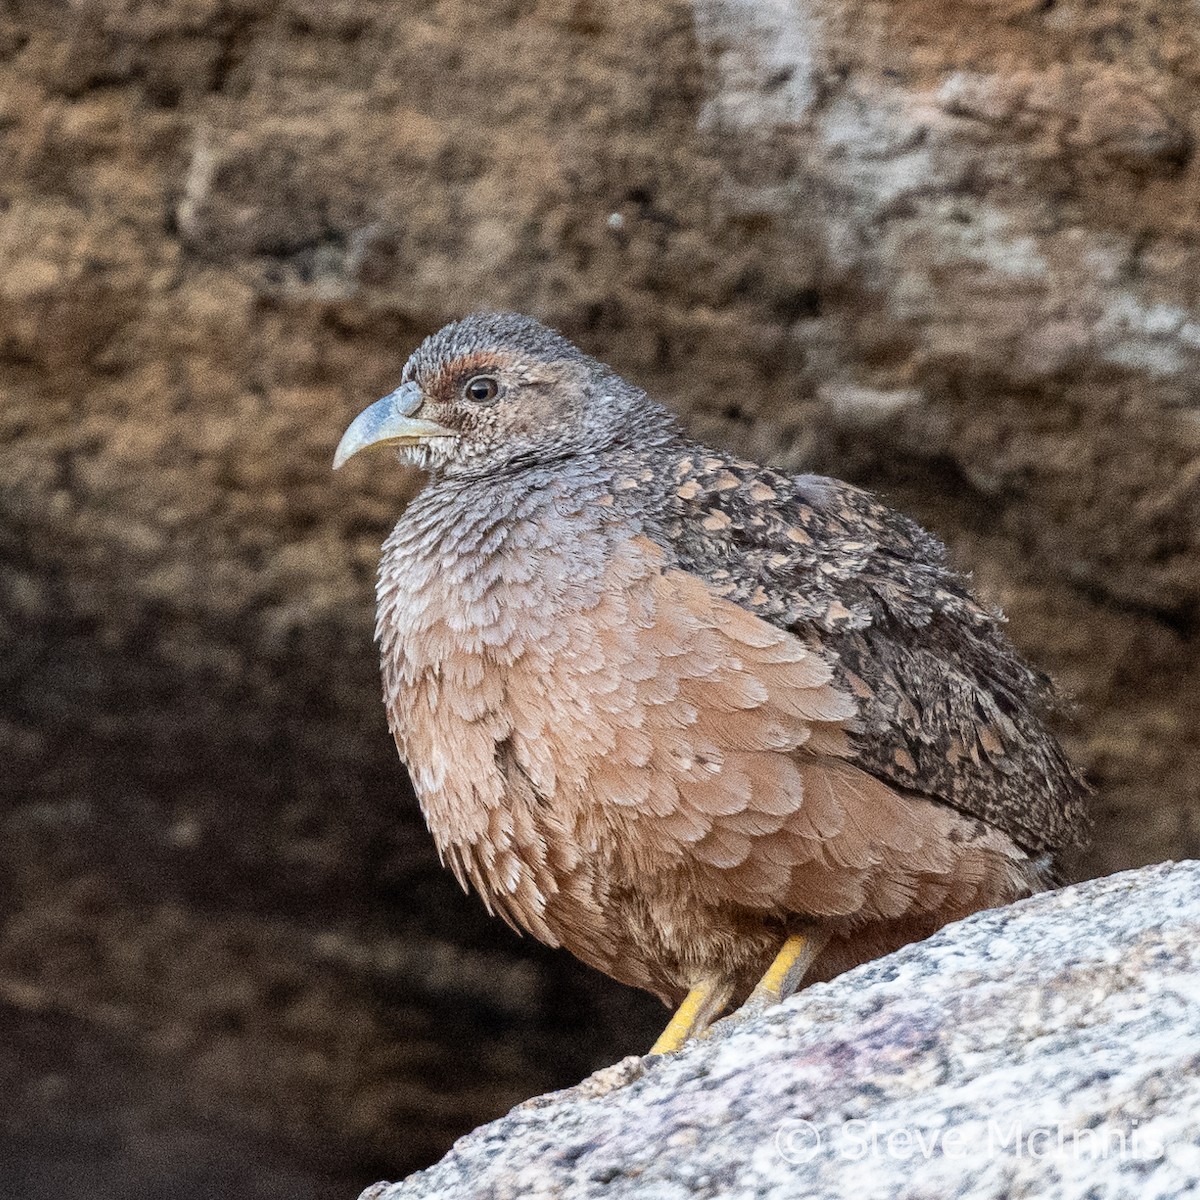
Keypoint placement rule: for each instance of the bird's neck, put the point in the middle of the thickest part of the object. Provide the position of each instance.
(489, 563)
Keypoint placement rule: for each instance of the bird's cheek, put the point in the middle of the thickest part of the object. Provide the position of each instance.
(478, 430)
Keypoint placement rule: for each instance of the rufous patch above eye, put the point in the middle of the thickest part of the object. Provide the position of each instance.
(448, 381)
(505, 365)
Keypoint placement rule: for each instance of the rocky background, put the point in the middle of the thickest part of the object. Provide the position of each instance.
(946, 248)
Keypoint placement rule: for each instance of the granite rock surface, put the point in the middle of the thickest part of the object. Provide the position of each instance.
(1047, 1050)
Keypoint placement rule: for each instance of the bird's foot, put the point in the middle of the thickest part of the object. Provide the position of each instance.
(698, 1010)
(783, 977)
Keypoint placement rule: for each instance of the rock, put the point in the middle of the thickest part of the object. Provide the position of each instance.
(1050, 1049)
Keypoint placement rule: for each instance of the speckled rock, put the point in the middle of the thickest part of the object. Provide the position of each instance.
(1048, 1050)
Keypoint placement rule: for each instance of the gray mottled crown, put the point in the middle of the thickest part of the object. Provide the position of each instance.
(491, 331)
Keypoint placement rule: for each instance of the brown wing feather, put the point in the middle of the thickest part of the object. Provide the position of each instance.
(728, 762)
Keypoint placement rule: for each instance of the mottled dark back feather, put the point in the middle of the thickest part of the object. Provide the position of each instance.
(949, 709)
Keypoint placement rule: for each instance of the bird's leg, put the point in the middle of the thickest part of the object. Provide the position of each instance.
(787, 972)
(694, 1015)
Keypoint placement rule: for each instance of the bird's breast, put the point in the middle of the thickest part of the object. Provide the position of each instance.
(491, 661)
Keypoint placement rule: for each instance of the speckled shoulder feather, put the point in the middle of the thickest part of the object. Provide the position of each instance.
(948, 708)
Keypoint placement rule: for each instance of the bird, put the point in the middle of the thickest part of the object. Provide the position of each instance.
(718, 730)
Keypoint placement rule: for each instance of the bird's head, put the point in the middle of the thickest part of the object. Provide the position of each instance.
(495, 391)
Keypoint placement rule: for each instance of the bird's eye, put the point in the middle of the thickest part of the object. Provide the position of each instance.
(481, 389)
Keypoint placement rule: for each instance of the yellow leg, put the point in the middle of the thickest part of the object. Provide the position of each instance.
(787, 972)
(695, 1014)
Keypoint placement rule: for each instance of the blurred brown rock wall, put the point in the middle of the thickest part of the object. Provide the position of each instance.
(949, 250)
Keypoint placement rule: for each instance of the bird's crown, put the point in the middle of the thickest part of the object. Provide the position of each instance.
(484, 335)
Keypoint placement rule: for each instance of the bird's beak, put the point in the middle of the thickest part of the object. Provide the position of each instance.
(389, 422)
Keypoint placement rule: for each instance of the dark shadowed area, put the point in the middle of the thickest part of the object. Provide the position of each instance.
(947, 250)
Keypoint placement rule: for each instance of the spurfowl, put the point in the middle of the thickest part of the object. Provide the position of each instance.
(700, 722)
